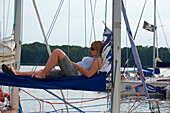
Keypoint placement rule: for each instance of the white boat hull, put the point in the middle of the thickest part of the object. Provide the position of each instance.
(132, 88)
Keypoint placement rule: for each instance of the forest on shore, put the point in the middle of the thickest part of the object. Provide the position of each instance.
(36, 54)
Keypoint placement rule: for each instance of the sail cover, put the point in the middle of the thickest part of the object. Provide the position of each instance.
(96, 83)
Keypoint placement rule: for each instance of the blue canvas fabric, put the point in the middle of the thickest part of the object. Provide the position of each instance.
(96, 83)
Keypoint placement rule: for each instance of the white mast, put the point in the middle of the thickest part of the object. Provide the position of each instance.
(0, 31)
(154, 34)
(116, 28)
(17, 39)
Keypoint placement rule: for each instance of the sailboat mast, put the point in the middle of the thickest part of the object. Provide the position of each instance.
(17, 39)
(0, 31)
(154, 34)
(116, 28)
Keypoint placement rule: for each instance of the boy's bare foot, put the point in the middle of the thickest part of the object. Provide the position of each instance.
(41, 74)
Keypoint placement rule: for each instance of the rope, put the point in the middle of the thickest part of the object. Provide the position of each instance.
(0, 32)
(48, 35)
(82, 99)
(108, 87)
(94, 10)
(142, 75)
(16, 2)
(63, 100)
(64, 103)
(134, 50)
(140, 19)
(5, 28)
(163, 31)
(68, 27)
(85, 28)
(105, 13)
(108, 100)
(130, 88)
(94, 32)
(126, 63)
(42, 100)
(136, 99)
(94, 106)
(137, 106)
(38, 100)
(41, 26)
(88, 107)
(3, 18)
(33, 97)
(93, 27)
(113, 80)
(7, 19)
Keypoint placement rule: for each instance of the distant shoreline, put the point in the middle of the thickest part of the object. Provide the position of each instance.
(30, 52)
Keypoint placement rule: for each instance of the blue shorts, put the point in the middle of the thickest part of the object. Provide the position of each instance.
(66, 69)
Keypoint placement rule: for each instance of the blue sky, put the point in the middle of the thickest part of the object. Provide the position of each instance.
(59, 35)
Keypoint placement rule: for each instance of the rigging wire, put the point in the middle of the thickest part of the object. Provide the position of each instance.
(85, 33)
(163, 31)
(93, 27)
(7, 18)
(3, 18)
(136, 99)
(73, 102)
(0, 31)
(126, 63)
(135, 53)
(48, 35)
(3, 24)
(94, 10)
(156, 37)
(105, 13)
(126, 51)
(113, 82)
(68, 27)
(140, 20)
(82, 97)
(4, 35)
(108, 87)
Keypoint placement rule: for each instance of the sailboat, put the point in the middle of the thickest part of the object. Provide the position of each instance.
(48, 83)
(156, 85)
(17, 39)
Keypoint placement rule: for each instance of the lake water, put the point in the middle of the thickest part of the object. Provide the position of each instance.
(30, 104)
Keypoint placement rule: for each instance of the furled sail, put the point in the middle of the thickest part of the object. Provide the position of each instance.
(7, 52)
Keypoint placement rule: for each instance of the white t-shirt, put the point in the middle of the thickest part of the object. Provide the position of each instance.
(86, 63)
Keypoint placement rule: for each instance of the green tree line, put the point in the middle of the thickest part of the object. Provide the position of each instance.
(36, 54)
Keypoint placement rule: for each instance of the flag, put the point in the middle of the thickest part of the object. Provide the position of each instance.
(148, 26)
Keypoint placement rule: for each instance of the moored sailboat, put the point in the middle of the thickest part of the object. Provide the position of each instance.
(115, 98)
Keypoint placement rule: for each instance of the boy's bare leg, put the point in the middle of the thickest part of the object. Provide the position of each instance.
(56, 55)
(27, 73)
